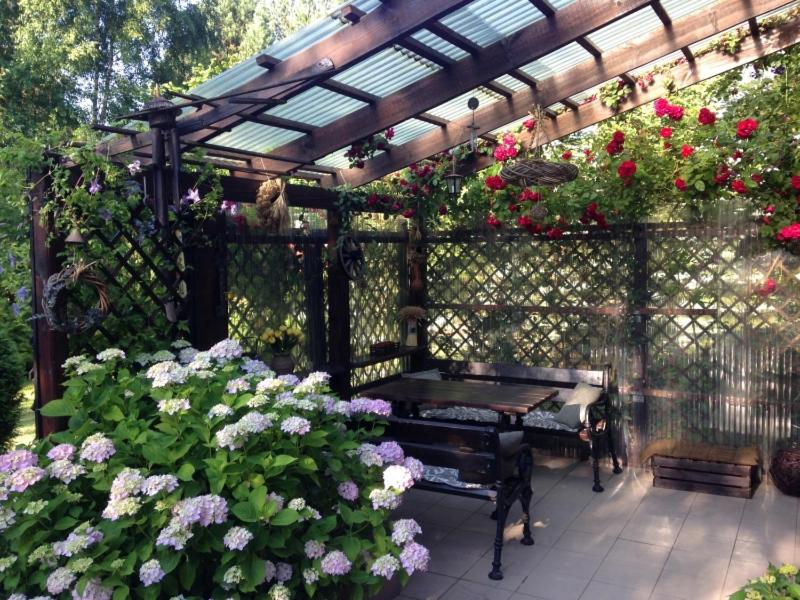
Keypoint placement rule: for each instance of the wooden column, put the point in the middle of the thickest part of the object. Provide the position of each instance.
(419, 297)
(338, 313)
(315, 303)
(208, 317)
(50, 348)
(640, 297)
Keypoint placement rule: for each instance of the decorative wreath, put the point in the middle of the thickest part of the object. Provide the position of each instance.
(54, 303)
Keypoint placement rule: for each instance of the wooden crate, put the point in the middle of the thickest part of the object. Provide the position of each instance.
(723, 479)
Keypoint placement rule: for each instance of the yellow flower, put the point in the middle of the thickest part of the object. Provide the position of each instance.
(283, 327)
(789, 570)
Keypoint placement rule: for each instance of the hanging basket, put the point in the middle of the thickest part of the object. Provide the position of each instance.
(272, 208)
(538, 171)
(54, 304)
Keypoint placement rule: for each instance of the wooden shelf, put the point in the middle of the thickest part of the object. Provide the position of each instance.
(373, 359)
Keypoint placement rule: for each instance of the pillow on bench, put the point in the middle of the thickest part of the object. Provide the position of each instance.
(573, 413)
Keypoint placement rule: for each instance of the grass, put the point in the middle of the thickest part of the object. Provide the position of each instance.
(26, 430)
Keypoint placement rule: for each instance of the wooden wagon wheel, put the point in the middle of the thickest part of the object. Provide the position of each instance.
(351, 257)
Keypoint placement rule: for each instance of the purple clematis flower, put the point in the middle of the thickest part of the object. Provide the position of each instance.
(192, 196)
(15, 309)
(22, 294)
(230, 207)
(95, 187)
(12, 260)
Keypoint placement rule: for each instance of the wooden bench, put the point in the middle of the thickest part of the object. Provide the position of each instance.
(592, 435)
(499, 467)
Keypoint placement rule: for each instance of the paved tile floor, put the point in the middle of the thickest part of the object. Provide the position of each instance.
(631, 542)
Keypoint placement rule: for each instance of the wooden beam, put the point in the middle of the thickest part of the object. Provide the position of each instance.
(658, 8)
(522, 76)
(499, 88)
(426, 52)
(352, 14)
(569, 103)
(589, 47)
(432, 119)
(453, 37)
(754, 30)
(688, 30)
(272, 121)
(240, 154)
(349, 91)
(378, 30)
(526, 45)
(627, 79)
(687, 53)
(544, 7)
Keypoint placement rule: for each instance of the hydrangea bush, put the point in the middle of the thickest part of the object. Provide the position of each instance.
(188, 474)
(777, 583)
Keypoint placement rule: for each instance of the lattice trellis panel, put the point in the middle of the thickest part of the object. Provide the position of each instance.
(145, 273)
(267, 286)
(374, 302)
(527, 301)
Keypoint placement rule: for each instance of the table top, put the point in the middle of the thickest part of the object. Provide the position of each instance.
(504, 398)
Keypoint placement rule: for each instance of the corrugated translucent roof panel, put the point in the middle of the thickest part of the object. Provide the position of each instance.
(579, 98)
(664, 59)
(557, 107)
(625, 30)
(457, 107)
(386, 72)
(434, 41)
(680, 8)
(511, 126)
(557, 62)
(487, 21)
(410, 129)
(337, 159)
(248, 70)
(317, 107)
(509, 81)
(256, 137)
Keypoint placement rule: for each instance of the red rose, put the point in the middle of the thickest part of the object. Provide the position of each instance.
(537, 228)
(591, 209)
(769, 286)
(790, 232)
(796, 182)
(661, 107)
(723, 174)
(626, 169)
(737, 155)
(529, 124)
(686, 151)
(738, 186)
(680, 184)
(567, 155)
(500, 153)
(766, 220)
(528, 195)
(614, 148)
(511, 151)
(666, 132)
(409, 212)
(769, 209)
(495, 182)
(372, 199)
(389, 133)
(746, 128)
(493, 222)
(524, 221)
(706, 117)
(667, 145)
(395, 207)
(443, 209)
(513, 207)
(601, 221)
(756, 177)
(588, 154)
(675, 112)
(618, 136)
(554, 233)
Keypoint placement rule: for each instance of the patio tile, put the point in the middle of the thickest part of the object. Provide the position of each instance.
(592, 544)
(462, 502)
(653, 527)
(708, 505)
(763, 552)
(457, 552)
(662, 501)
(517, 563)
(428, 586)
(632, 565)
(431, 534)
(568, 562)
(739, 573)
(692, 575)
(444, 516)
(553, 586)
(598, 590)
(468, 590)
(696, 541)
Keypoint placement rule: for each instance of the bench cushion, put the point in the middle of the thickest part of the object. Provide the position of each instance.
(573, 413)
(543, 419)
(449, 477)
(432, 374)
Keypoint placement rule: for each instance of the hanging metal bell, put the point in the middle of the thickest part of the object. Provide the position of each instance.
(75, 237)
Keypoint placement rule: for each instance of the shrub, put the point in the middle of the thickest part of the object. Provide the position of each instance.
(777, 583)
(12, 374)
(205, 476)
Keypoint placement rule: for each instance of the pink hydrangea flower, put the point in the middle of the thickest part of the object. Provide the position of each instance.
(61, 452)
(336, 563)
(348, 490)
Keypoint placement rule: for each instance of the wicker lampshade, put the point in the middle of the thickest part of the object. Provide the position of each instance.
(538, 171)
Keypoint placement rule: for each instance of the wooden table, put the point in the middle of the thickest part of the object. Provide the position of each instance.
(506, 399)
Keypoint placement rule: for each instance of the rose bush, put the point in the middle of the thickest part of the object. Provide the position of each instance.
(188, 474)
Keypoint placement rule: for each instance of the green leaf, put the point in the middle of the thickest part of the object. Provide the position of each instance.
(58, 408)
(185, 472)
(156, 454)
(285, 517)
(65, 523)
(699, 185)
(245, 512)
(258, 497)
(121, 593)
(187, 574)
(351, 546)
(169, 561)
(283, 460)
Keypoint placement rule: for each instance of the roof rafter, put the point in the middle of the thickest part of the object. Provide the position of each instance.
(388, 23)
(710, 21)
(526, 45)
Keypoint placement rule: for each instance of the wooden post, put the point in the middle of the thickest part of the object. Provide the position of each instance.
(315, 303)
(208, 319)
(338, 312)
(419, 296)
(640, 297)
(50, 348)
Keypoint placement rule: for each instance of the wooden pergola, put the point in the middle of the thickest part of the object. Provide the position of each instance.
(500, 69)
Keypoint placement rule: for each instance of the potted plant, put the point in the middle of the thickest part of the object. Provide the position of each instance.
(411, 315)
(281, 341)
